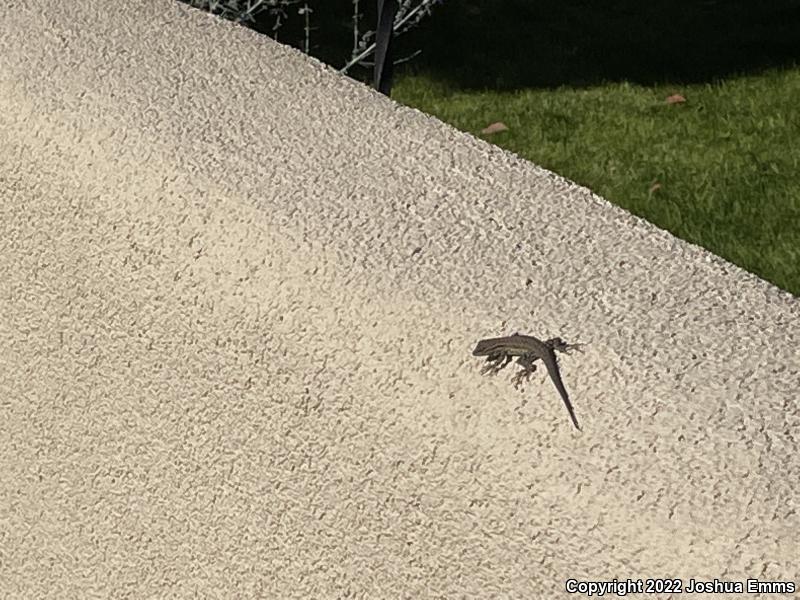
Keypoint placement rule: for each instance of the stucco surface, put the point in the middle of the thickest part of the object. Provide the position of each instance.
(239, 295)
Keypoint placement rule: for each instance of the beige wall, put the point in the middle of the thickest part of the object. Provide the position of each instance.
(225, 371)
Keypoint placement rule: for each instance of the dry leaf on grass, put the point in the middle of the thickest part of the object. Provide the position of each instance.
(675, 99)
(655, 187)
(494, 128)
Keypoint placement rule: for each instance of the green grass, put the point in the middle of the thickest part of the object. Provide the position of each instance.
(721, 170)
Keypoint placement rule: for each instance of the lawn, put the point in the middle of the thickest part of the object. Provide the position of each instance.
(721, 170)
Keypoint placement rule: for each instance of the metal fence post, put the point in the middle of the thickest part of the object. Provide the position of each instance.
(384, 60)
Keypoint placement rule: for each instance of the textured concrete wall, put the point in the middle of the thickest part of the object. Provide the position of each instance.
(239, 295)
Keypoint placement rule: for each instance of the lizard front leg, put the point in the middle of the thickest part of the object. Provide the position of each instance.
(528, 368)
(496, 362)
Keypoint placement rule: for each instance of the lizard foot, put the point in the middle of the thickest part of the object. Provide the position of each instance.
(524, 374)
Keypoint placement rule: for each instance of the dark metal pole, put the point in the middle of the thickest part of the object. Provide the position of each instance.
(384, 60)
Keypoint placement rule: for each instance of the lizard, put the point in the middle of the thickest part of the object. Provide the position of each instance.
(528, 349)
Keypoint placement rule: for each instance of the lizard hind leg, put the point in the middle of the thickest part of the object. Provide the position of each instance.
(562, 346)
(528, 368)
